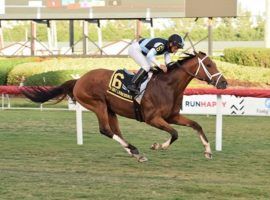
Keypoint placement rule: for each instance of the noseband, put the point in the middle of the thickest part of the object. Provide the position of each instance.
(208, 74)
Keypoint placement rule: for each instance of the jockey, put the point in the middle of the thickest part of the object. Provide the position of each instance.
(144, 51)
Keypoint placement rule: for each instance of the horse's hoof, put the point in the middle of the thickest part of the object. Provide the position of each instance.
(155, 146)
(142, 159)
(208, 155)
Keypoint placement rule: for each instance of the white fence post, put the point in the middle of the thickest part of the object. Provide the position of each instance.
(79, 124)
(219, 123)
(3, 101)
(9, 105)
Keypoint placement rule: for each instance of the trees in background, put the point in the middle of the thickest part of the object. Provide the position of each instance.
(248, 28)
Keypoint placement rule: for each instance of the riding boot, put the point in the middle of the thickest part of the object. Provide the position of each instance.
(136, 81)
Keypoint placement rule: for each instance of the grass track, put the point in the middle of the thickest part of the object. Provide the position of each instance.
(39, 159)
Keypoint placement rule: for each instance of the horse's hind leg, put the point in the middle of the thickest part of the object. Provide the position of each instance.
(132, 150)
(183, 121)
(160, 123)
(113, 121)
(108, 125)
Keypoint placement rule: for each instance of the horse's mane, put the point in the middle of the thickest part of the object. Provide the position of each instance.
(177, 64)
(185, 59)
(181, 61)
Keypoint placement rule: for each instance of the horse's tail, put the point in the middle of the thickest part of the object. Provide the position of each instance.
(41, 94)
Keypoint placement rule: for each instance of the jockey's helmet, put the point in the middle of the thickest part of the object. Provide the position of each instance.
(176, 40)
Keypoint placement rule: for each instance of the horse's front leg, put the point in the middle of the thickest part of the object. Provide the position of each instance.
(160, 123)
(183, 121)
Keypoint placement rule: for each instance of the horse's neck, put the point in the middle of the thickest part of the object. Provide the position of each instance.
(180, 80)
(177, 79)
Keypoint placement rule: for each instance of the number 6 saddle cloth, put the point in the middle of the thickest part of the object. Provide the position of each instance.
(120, 79)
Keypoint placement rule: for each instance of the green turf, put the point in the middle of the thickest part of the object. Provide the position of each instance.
(39, 159)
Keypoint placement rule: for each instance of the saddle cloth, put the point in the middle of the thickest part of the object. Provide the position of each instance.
(118, 85)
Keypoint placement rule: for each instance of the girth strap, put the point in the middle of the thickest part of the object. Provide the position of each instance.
(138, 111)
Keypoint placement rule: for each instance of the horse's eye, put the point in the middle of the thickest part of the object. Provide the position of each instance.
(208, 65)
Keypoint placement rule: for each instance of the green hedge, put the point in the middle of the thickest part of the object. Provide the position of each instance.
(58, 64)
(7, 64)
(244, 73)
(52, 78)
(57, 71)
(259, 57)
(229, 70)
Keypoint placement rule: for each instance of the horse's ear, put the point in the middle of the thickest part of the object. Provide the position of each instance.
(200, 52)
(189, 54)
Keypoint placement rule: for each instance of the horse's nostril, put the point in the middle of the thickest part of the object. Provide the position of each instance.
(222, 85)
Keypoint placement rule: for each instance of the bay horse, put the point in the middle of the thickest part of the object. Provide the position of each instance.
(160, 105)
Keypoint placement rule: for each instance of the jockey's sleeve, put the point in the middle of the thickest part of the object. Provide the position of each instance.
(151, 56)
(167, 58)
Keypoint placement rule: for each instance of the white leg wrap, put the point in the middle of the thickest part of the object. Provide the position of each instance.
(206, 144)
(120, 140)
(208, 148)
(166, 144)
(203, 140)
(123, 143)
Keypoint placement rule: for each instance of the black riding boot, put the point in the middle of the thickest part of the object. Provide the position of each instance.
(136, 81)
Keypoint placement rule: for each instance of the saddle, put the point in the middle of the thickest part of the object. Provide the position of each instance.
(118, 87)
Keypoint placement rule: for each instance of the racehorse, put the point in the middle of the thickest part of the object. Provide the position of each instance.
(160, 105)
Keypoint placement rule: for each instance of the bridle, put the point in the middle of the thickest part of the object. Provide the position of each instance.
(208, 74)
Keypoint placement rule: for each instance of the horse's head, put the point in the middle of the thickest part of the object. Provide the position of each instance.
(206, 70)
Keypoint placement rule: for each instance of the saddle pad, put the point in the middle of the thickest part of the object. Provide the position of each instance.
(118, 85)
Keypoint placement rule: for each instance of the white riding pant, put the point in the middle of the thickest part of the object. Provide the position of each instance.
(135, 52)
